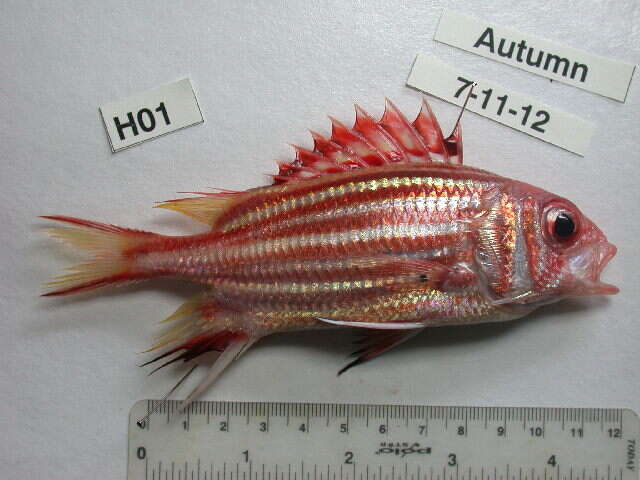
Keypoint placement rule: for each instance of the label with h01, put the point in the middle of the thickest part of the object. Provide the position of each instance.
(150, 114)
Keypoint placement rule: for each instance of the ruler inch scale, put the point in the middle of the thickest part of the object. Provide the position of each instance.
(216, 440)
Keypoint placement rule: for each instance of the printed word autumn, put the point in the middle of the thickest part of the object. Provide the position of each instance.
(523, 53)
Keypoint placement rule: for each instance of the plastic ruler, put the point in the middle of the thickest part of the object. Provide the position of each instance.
(297, 441)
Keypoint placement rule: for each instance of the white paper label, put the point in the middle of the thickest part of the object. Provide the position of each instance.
(594, 73)
(149, 114)
(431, 75)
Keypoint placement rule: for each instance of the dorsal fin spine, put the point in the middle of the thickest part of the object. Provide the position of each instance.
(397, 125)
(428, 127)
(375, 133)
(453, 144)
(355, 143)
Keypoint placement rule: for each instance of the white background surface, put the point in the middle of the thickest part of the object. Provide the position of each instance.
(264, 72)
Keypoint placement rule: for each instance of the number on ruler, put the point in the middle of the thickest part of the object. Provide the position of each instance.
(141, 453)
(562, 447)
(536, 431)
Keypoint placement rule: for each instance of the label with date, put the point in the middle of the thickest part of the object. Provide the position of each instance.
(431, 75)
(149, 114)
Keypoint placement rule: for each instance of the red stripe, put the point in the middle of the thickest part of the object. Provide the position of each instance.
(348, 249)
(267, 195)
(402, 193)
(104, 227)
(329, 225)
(101, 282)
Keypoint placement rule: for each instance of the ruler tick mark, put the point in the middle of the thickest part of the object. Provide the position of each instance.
(349, 425)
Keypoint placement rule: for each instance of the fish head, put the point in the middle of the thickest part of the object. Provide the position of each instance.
(564, 251)
(577, 248)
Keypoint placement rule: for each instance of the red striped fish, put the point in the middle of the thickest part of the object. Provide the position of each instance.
(380, 227)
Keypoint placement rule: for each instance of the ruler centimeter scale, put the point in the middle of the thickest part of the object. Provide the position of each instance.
(297, 441)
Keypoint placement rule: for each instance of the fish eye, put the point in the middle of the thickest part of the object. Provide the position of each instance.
(561, 224)
(564, 226)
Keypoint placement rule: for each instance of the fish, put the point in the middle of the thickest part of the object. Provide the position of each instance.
(379, 229)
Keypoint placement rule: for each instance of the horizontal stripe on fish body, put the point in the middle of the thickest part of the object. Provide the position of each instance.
(297, 292)
(325, 269)
(401, 208)
(204, 259)
(430, 307)
(194, 265)
(398, 238)
(422, 200)
(329, 257)
(341, 283)
(267, 203)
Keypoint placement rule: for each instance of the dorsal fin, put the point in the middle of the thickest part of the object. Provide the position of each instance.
(335, 152)
(413, 145)
(426, 124)
(391, 140)
(378, 137)
(206, 208)
(453, 144)
(355, 143)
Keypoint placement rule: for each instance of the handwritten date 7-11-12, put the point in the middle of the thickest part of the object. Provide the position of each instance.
(542, 116)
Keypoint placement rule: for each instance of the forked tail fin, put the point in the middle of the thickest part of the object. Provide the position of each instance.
(111, 250)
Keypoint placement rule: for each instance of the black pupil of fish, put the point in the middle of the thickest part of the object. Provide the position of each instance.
(564, 226)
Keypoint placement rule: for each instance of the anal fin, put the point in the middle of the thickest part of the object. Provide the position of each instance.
(199, 326)
(376, 343)
(235, 348)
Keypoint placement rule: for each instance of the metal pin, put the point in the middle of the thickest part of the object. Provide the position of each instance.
(464, 106)
(141, 423)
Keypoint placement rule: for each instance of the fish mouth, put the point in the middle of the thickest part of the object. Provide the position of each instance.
(606, 252)
(594, 286)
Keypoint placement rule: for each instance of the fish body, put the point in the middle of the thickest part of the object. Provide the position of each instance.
(380, 228)
(350, 246)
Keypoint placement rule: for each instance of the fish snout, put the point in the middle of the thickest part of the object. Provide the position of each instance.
(606, 251)
(603, 254)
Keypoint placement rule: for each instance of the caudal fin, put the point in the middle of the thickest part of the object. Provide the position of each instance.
(111, 260)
